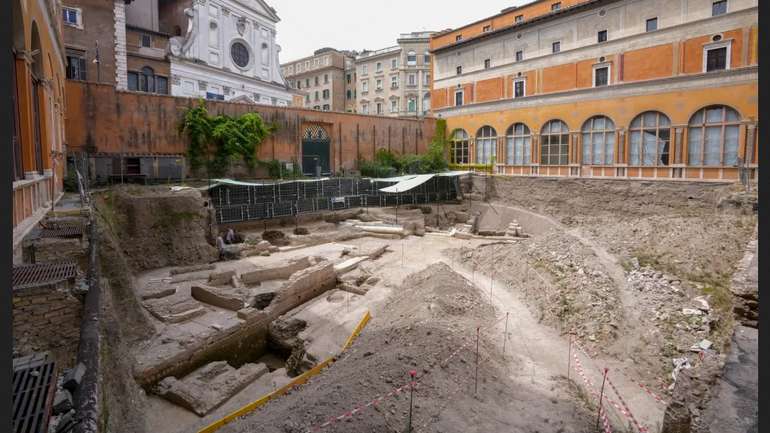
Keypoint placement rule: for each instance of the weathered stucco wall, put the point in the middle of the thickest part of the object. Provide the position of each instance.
(103, 120)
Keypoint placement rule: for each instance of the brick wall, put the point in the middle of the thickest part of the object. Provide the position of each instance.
(47, 318)
(107, 121)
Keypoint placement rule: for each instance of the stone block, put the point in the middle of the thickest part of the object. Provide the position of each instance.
(62, 402)
(174, 309)
(221, 278)
(228, 299)
(74, 377)
(157, 293)
(208, 387)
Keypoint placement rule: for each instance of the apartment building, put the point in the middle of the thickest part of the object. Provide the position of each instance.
(321, 79)
(658, 89)
(395, 81)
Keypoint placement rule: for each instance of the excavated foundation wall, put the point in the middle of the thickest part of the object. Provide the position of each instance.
(303, 286)
(158, 228)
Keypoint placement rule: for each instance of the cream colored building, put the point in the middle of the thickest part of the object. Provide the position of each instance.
(321, 79)
(395, 81)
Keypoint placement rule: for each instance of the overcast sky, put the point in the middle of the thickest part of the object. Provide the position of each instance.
(307, 25)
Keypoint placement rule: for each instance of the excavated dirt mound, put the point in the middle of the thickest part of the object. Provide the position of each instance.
(158, 228)
(423, 323)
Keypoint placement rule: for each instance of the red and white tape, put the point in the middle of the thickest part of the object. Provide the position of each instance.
(579, 369)
(636, 423)
(650, 393)
(360, 408)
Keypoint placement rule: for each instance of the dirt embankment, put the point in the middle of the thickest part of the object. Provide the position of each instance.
(157, 227)
(427, 320)
(138, 229)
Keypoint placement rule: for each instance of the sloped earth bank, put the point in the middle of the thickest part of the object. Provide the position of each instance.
(422, 324)
(628, 265)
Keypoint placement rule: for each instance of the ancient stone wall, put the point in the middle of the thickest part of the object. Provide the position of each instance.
(47, 319)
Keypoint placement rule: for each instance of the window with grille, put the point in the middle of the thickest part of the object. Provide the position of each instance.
(598, 141)
(713, 137)
(716, 59)
(486, 145)
(601, 76)
(554, 143)
(518, 145)
(649, 139)
(460, 146)
(146, 40)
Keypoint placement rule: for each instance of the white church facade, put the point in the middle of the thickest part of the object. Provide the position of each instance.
(229, 51)
(212, 49)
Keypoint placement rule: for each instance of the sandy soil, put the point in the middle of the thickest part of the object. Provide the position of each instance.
(426, 320)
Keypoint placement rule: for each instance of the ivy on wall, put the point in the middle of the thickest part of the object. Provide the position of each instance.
(217, 141)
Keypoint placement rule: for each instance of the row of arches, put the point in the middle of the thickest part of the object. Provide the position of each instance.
(712, 140)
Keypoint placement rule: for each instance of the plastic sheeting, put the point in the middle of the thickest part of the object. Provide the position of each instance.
(409, 183)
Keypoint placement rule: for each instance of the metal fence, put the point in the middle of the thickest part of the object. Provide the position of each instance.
(236, 203)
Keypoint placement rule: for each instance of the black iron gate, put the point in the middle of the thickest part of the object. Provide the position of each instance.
(315, 152)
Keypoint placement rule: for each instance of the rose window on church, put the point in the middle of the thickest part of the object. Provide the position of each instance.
(240, 54)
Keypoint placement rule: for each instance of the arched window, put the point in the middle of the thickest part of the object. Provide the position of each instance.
(598, 141)
(650, 136)
(411, 58)
(554, 143)
(459, 142)
(486, 145)
(518, 145)
(713, 137)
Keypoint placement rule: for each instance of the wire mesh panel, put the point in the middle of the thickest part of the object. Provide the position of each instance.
(234, 203)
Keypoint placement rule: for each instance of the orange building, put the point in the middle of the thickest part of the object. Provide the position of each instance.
(660, 89)
(38, 139)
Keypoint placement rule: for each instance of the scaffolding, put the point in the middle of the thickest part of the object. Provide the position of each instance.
(244, 201)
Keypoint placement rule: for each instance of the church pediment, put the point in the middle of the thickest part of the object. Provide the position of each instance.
(260, 7)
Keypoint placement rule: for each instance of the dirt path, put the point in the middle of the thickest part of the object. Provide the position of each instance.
(541, 348)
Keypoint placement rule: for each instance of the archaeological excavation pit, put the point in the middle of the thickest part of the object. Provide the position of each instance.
(220, 334)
